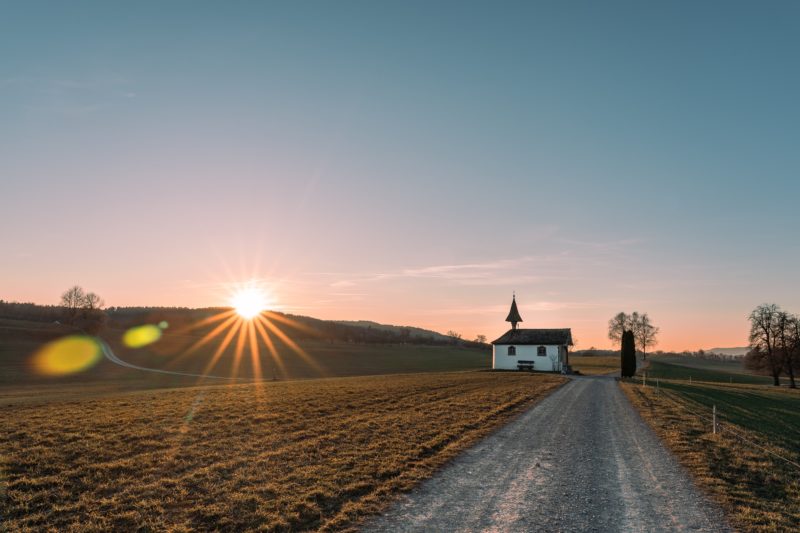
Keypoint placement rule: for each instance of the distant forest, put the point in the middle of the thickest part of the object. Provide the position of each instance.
(703, 354)
(93, 320)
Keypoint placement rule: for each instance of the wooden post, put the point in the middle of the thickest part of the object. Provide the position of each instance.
(656, 385)
(645, 379)
(714, 418)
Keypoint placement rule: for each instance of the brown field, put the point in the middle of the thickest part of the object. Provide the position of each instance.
(759, 491)
(593, 365)
(306, 455)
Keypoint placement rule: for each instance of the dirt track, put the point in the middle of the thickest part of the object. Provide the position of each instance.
(581, 460)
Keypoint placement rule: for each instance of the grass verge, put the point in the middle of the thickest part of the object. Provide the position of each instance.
(759, 491)
(308, 455)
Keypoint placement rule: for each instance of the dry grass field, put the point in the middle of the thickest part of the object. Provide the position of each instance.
(759, 491)
(594, 365)
(306, 455)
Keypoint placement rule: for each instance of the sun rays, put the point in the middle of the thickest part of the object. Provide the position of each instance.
(249, 329)
(248, 335)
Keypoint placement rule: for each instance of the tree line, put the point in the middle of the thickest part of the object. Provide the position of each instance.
(86, 311)
(774, 343)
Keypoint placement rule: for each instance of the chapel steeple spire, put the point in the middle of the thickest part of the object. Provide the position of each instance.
(513, 314)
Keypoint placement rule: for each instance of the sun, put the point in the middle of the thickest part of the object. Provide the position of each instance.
(250, 322)
(249, 302)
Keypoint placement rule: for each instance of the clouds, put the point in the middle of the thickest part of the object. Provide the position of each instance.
(485, 273)
(557, 260)
(67, 96)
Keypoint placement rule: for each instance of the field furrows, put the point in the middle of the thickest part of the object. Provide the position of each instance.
(276, 456)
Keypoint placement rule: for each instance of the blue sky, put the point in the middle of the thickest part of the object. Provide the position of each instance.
(408, 162)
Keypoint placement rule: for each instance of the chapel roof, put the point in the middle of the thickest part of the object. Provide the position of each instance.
(536, 336)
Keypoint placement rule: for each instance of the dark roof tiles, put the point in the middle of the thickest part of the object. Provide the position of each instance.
(536, 336)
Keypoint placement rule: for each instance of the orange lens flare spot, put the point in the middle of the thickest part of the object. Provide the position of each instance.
(141, 336)
(249, 302)
(68, 355)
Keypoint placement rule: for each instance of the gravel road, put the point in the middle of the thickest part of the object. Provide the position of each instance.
(581, 460)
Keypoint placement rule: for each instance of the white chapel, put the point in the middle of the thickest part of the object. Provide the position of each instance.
(546, 350)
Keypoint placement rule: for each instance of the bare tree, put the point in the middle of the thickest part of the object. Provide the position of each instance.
(83, 310)
(92, 301)
(786, 343)
(644, 332)
(793, 355)
(481, 339)
(455, 335)
(617, 326)
(764, 338)
(72, 301)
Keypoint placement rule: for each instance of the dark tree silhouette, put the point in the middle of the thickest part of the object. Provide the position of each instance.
(628, 354)
(764, 338)
(617, 326)
(83, 310)
(787, 344)
(72, 301)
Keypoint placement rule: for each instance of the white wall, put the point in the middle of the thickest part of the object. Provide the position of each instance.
(525, 352)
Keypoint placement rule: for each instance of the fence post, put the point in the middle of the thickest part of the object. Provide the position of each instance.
(656, 385)
(645, 379)
(714, 417)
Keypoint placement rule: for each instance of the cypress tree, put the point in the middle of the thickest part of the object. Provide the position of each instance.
(628, 355)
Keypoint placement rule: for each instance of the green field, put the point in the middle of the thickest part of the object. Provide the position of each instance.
(20, 340)
(698, 369)
(747, 466)
(772, 413)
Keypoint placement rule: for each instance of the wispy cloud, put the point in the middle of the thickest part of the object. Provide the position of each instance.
(12, 81)
(609, 246)
(498, 272)
(71, 97)
(497, 310)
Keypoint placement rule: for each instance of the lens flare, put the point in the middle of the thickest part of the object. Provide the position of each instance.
(141, 336)
(68, 355)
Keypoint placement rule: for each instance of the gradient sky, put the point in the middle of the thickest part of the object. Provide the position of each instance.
(409, 163)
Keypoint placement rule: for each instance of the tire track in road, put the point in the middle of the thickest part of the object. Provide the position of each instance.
(580, 460)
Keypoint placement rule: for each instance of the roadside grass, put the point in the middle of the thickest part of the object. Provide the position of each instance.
(284, 456)
(592, 365)
(759, 491)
